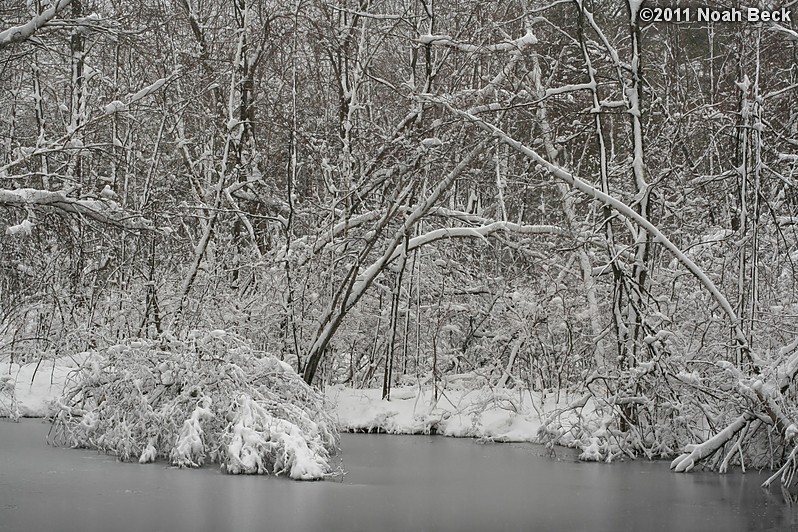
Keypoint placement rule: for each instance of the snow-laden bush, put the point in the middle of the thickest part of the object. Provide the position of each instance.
(208, 398)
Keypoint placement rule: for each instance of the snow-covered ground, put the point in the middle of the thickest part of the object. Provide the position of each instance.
(496, 414)
(460, 411)
(35, 386)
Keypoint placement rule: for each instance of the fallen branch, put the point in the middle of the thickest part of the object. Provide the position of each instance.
(695, 453)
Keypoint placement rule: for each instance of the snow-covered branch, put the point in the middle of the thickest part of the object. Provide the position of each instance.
(104, 211)
(23, 32)
(117, 106)
(695, 453)
(331, 321)
(506, 46)
(618, 206)
(344, 226)
(478, 232)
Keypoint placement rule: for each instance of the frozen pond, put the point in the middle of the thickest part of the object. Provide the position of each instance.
(393, 483)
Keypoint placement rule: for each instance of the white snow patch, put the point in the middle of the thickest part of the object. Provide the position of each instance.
(148, 455)
(592, 451)
(37, 385)
(431, 142)
(115, 107)
(189, 450)
(24, 228)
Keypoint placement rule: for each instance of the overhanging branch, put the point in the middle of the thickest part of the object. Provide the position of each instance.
(618, 206)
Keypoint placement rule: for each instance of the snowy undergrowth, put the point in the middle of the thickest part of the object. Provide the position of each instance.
(9, 406)
(208, 398)
(696, 411)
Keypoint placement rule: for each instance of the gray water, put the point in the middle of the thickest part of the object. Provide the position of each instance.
(393, 483)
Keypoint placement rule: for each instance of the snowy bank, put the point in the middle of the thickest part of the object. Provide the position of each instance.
(31, 389)
(494, 414)
(500, 415)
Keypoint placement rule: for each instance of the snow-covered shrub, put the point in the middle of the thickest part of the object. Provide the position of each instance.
(208, 398)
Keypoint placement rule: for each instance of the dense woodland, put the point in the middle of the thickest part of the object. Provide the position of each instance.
(546, 195)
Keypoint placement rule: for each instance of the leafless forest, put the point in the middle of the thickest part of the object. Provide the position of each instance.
(549, 195)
